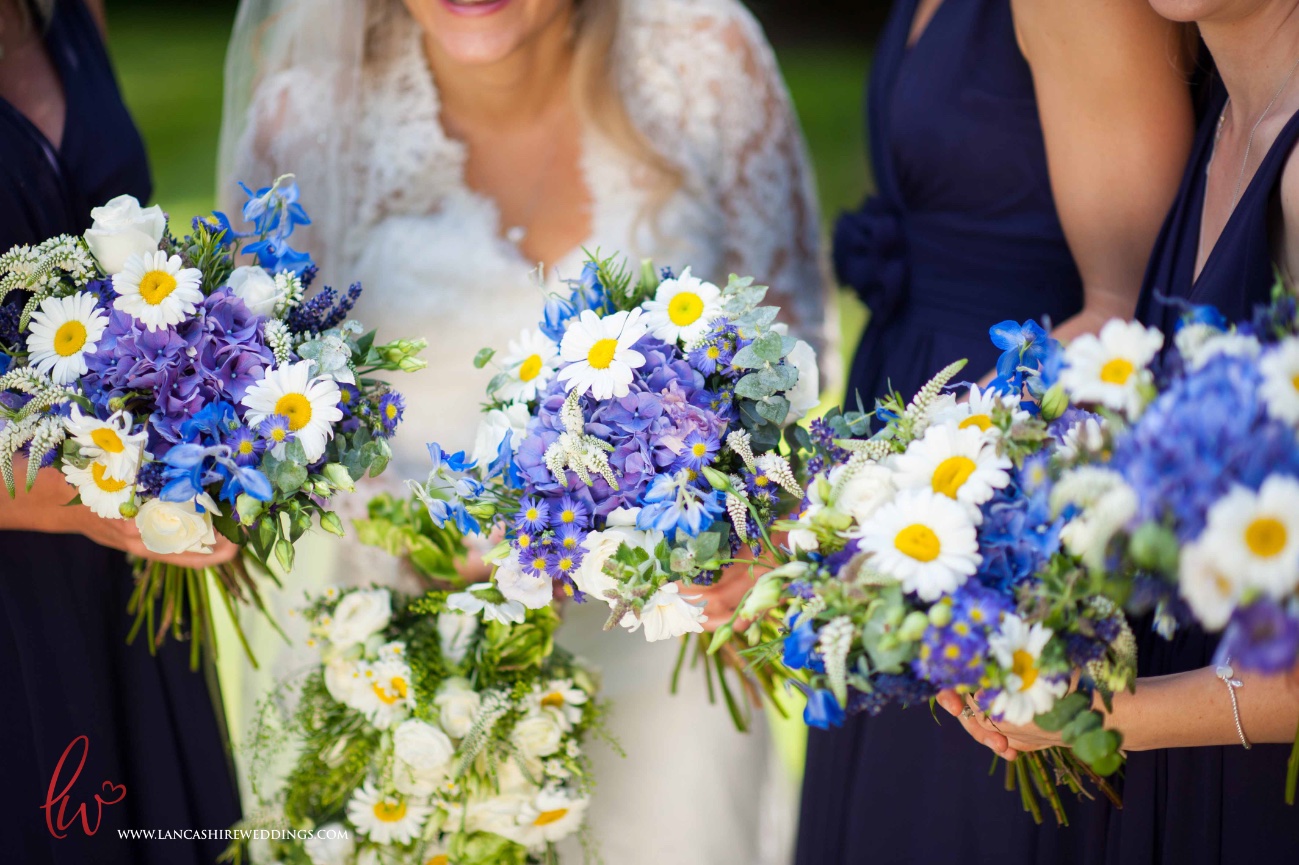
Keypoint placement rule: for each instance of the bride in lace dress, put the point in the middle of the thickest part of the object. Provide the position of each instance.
(445, 149)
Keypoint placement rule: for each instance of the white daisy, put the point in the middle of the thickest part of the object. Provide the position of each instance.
(310, 404)
(471, 601)
(599, 355)
(1280, 387)
(1112, 368)
(1083, 438)
(108, 441)
(925, 540)
(388, 696)
(977, 410)
(683, 309)
(62, 332)
(157, 290)
(1255, 536)
(529, 364)
(962, 464)
(1211, 590)
(1223, 345)
(386, 819)
(563, 698)
(551, 816)
(101, 493)
(1026, 693)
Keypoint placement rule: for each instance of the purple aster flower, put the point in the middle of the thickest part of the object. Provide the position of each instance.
(275, 431)
(391, 409)
(533, 515)
(562, 563)
(572, 513)
(349, 396)
(699, 450)
(535, 561)
(246, 447)
(1261, 637)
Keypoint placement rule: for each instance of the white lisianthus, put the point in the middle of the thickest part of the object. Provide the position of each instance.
(471, 601)
(457, 703)
(359, 616)
(330, 844)
(120, 229)
(344, 682)
(620, 528)
(495, 425)
(257, 289)
(806, 394)
(421, 757)
(496, 815)
(1280, 387)
(1026, 692)
(1111, 368)
(455, 634)
(177, 527)
(534, 591)
(538, 734)
(666, 615)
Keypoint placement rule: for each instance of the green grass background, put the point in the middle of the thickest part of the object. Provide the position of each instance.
(170, 68)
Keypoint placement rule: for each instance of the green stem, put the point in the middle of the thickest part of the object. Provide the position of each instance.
(681, 662)
(736, 714)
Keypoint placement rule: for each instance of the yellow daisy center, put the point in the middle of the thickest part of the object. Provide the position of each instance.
(601, 354)
(951, 475)
(1222, 584)
(1025, 667)
(1294, 382)
(1117, 371)
(391, 695)
(1266, 537)
(278, 434)
(390, 812)
(107, 440)
(545, 818)
(539, 564)
(525, 541)
(295, 407)
(982, 421)
(156, 285)
(345, 397)
(919, 542)
(761, 481)
(440, 859)
(107, 484)
(553, 700)
(961, 629)
(685, 308)
(531, 368)
(532, 514)
(69, 338)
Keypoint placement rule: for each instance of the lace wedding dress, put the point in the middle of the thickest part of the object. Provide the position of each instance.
(702, 86)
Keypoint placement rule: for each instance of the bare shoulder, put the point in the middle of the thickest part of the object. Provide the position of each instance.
(1096, 30)
(1290, 217)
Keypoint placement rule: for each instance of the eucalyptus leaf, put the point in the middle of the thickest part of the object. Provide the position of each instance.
(774, 409)
(770, 347)
(752, 387)
(295, 453)
(483, 357)
(291, 477)
(747, 358)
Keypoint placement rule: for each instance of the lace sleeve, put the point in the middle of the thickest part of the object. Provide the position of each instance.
(747, 150)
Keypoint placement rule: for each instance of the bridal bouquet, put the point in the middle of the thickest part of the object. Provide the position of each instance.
(428, 734)
(927, 558)
(630, 446)
(192, 396)
(1189, 477)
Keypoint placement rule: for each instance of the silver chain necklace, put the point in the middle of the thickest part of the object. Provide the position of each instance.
(1249, 142)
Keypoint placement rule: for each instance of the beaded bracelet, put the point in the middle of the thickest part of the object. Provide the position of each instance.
(1225, 672)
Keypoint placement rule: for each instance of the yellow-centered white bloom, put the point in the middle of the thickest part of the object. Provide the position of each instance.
(1026, 693)
(170, 528)
(1255, 536)
(961, 464)
(552, 815)
(562, 698)
(976, 410)
(923, 539)
(1111, 369)
(387, 697)
(310, 404)
(683, 309)
(1211, 590)
(108, 441)
(100, 492)
(157, 290)
(530, 362)
(62, 332)
(1280, 387)
(386, 819)
(599, 355)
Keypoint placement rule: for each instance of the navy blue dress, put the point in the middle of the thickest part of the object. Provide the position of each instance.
(65, 668)
(962, 234)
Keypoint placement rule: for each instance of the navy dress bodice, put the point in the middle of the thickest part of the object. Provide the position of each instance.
(150, 724)
(962, 234)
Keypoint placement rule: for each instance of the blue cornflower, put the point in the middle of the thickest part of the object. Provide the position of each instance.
(275, 431)
(673, 502)
(246, 447)
(572, 512)
(1022, 345)
(392, 407)
(533, 515)
(699, 450)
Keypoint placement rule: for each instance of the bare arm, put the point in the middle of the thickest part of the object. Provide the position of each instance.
(1111, 84)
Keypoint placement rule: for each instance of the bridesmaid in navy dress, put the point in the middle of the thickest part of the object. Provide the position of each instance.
(154, 748)
(994, 174)
(1192, 795)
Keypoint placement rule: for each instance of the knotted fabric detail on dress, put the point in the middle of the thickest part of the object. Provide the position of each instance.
(870, 254)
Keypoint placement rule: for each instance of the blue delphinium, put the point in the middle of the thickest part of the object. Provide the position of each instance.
(823, 710)
(202, 458)
(1023, 346)
(676, 503)
(800, 647)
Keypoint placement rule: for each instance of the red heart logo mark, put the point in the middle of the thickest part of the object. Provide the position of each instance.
(118, 790)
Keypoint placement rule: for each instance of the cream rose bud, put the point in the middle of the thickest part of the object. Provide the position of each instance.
(422, 755)
(331, 844)
(538, 735)
(344, 683)
(120, 229)
(359, 616)
(169, 528)
(256, 288)
(457, 703)
(455, 633)
(806, 395)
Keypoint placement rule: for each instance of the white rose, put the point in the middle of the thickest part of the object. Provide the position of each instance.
(667, 615)
(331, 844)
(175, 527)
(806, 395)
(538, 735)
(343, 682)
(457, 704)
(256, 288)
(869, 488)
(493, 429)
(620, 529)
(534, 592)
(359, 616)
(422, 754)
(121, 229)
(455, 632)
